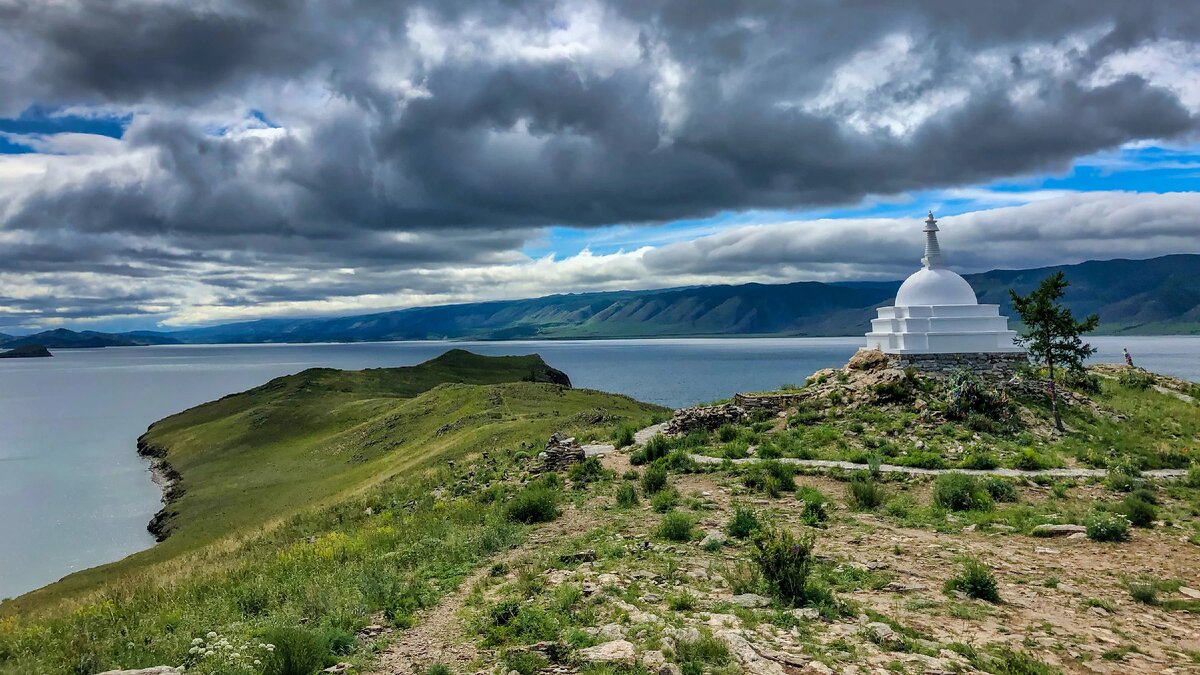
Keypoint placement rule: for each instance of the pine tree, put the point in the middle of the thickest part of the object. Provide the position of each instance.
(1052, 334)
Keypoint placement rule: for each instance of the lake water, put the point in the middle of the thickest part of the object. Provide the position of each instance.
(74, 493)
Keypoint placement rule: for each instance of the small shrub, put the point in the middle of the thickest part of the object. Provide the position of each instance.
(1029, 459)
(976, 581)
(623, 437)
(1135, 378)
(961, 492)
(1193, 477)
(743, 522)
(727, 432)
(681, 602)
(1000, 489)
(1107, 527)
(698, 656)
(816, 506)
(677, 526)
(535, 504)
(865, 494)
(298, 651)
(587, 471)
(969, 398)
(658, 446)
(654, 478)
(979, 459)
(1124, 474)
(785, 561)
(664, 500)
(1139, 511)
(439, 669)
(627, 496)
(525, 662)
(1081, 380)
(1146, 594)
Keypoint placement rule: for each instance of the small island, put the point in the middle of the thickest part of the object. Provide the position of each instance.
(26, 352)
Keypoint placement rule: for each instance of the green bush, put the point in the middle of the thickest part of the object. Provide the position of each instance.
(864, 493)
(1081, 380)
(1135, 378)
(664, 500)
(1103, 526)
(770, 476)
(587, 471)
(743, 523)
(1144, 593)
(298, 651)
(969, 398)
(1138, 510)
(976, 581)
(979, 459)
(535, 504)
(1000, 489)
(1193, 477)
(1029, 459)
(727, 432)
(654, 478)
(439, 669)
(785, 562)
(627, 496)
(623, 437)
(699, 656)
(816, 506)
(1124, 474)
(677, 526)
(961, 492)
(657, 447)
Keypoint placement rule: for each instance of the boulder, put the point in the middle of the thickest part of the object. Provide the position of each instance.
(750, 600)
(867, 359)
(616, 651)
(713, 538)
(744, 653)
(1058, 530)
(884, 635)
(611, 632)
(156, 670)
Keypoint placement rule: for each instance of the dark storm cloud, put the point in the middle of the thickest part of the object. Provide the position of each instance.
(426, 134)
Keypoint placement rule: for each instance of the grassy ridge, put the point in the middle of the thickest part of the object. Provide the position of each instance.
(251, 461)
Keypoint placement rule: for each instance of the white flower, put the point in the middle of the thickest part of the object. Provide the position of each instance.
(197, 641)
(257, 662)
(211, 635)
(235, 655)
(193, 650)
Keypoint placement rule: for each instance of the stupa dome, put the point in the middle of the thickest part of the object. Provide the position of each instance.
(936, 312)
(937, 286)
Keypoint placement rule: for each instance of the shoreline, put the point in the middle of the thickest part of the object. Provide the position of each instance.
(167, 479)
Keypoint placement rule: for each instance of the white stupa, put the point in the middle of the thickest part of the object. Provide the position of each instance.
(936, 312)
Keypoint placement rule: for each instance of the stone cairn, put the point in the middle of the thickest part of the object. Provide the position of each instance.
(709, 417)
(560, 453)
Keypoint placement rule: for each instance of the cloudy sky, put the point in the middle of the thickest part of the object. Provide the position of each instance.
(183, 162)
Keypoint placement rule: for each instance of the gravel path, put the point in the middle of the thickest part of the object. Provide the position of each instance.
(646, 434)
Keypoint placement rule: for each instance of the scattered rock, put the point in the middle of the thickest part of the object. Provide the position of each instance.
(713, 538)
(616, 651)
(750, 600)
(156, 670)
(1190, 592)
(816, 668)
(339, 668)
(580, 557)
(884, 635)
(867, 359)
(807, 613)
(653, 660)
(610, 632)
(750, 660)
(1058, 530)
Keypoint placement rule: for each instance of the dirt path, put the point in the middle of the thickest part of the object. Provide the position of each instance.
(911, 470)
(439, 635)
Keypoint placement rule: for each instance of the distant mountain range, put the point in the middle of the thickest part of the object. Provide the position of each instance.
(1146, 297)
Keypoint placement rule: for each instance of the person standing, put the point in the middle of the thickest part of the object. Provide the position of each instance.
(1128, 358)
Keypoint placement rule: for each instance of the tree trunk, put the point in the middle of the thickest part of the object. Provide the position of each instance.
(1054, 397)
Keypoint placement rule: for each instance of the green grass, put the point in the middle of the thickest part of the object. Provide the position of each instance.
(311, 498)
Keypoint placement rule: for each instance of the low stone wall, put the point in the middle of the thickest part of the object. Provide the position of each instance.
(990, 365)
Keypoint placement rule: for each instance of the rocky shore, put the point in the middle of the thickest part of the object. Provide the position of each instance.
(167, 479)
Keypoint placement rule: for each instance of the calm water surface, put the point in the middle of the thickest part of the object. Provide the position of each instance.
(74, 493)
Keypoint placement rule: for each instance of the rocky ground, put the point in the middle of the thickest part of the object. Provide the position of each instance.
(1064, 601)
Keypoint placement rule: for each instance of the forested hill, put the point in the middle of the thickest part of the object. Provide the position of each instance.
(1155, 296)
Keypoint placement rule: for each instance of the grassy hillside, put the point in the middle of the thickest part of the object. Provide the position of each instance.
(250, 461)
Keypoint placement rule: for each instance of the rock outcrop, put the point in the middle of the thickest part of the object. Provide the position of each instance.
(560, 453)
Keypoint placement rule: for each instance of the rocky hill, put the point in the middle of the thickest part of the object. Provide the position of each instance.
(872, 521)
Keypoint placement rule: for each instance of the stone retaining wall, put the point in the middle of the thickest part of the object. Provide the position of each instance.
(990, 365)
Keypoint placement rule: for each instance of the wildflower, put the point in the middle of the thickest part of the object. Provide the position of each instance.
(211, 634)
(194, 650)
(197, 641)
(257, 662)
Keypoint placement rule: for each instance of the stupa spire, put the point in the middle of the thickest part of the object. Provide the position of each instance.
(933, 254)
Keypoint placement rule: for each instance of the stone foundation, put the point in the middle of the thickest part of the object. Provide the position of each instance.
(988, 365)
